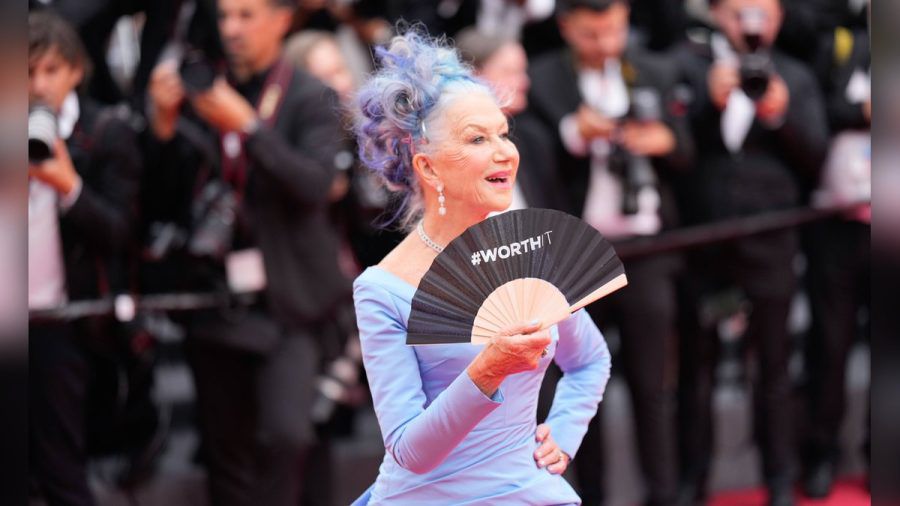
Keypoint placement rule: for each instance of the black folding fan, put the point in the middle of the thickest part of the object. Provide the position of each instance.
(516, 267)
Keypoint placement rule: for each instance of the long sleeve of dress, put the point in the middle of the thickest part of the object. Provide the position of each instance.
(418, 435)
(584, 358)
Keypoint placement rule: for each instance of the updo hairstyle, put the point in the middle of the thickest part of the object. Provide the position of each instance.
(397, 108)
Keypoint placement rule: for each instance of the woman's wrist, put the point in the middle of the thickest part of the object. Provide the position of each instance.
(482, 375)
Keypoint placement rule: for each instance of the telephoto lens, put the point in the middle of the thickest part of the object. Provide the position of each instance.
(42, 133)
(214, 215)
(753, 22)
(636, 172)
(756, 72)
(197, 71)
(756, 66)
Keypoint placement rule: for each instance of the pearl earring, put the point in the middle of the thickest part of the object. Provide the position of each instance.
(441, 210)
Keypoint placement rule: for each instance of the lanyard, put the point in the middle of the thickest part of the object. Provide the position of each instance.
(234, 157)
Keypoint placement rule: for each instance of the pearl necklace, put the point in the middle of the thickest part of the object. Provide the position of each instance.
(420, 228)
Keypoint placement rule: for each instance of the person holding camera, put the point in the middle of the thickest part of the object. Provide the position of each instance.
(83, 178)
(622, 135)
(243, 161)
(837, 251)
(761, 116)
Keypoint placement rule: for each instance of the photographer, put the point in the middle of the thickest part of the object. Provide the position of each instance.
(622, 137)
(837, 252)
(762, 120)
(83, 175)
(244, 161)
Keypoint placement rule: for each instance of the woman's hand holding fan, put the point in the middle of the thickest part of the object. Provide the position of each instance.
(514, 349)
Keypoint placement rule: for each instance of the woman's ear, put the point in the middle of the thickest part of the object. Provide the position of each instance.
(425, 170)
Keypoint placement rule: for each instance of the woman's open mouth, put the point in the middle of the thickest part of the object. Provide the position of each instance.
(502, 180)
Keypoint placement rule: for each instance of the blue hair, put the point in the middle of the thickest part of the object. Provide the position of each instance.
(415, 72)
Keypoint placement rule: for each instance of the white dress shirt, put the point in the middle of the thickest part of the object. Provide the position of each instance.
(506, 19)
(607, 92)
(737, 118)
(46, 271)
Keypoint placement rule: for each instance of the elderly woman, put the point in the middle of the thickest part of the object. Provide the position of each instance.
(458, 421)
(501, 62)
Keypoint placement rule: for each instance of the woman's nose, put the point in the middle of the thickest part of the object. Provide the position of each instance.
(505, 150)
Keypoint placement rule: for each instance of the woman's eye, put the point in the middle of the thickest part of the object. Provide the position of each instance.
(505, 136)
(477, 139)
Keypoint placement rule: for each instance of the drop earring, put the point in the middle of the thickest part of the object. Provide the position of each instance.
(441, 209)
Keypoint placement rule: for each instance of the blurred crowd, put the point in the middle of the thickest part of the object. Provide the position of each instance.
(203, 147)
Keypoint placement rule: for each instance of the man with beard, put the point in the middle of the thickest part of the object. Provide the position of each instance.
(262, 138)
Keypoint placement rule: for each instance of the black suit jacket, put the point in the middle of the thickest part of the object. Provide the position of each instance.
(774, 164)
(291, 166)
(555, 93)
(834, 69)
(538, 176)
(772, 171)
(97, 229)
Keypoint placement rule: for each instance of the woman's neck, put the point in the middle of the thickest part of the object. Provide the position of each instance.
(413, 257)
(443, 229)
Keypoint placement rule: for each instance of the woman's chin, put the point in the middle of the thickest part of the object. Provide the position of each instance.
(494, 201)
(501, 203)
(487, 209)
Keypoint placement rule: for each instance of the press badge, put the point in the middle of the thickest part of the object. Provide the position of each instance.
(246, 271)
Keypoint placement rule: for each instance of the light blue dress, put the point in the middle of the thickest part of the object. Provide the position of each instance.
(448, 443)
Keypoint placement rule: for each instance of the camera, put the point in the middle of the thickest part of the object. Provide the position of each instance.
(214, 214)
(197, 70)
(756, 66)
(194, 45)
(42, 133)
(636, 172)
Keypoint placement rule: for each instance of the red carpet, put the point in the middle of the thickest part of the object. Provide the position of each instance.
(847, 492)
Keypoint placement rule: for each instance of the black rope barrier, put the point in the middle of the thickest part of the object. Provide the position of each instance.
(125, 307)
(726, 230)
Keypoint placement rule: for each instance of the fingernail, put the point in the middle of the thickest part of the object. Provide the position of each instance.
(533, 322)
(541, 463)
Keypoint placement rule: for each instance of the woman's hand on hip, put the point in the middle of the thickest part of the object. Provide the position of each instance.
(548, 453)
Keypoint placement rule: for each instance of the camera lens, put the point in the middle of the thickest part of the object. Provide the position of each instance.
(42, 133)
(753, 21)
(756, 68)
(197, 72)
